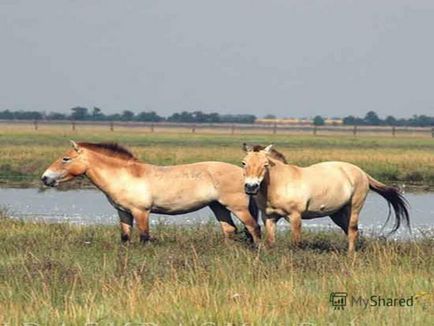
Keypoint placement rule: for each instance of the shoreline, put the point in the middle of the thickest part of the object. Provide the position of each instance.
(82, 184)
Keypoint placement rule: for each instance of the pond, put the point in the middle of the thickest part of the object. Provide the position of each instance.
(90, 206)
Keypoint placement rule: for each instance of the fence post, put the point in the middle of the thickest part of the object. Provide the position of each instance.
(275, 128)
(314, 130)
(432, 132)
(393, 131)
(152, 127)
(73, 125)
(193, 129)
(233, 129)
(35, 124)
(355, 130)
(112, 126)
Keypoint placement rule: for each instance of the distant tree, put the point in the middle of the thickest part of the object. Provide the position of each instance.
(199, 116)
(149, 116)
(56, 116)
(421, 121)
(371, 118)
(318, 121)
(27, 115)
(79, 113)
(390, 121)
(113, 117)
(7, 115)
(127, 115)
(238, 118)
(213, 117)
(184, 116)
(97, 114)
(269, 116)
(350, 120)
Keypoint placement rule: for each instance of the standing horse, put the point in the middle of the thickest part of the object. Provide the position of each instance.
(335, 189)
(137, 189)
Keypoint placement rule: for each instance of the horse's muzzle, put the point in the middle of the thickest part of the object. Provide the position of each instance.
(50, 182)
(251, 188)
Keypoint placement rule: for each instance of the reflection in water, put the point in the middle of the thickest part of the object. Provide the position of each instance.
(91, 207)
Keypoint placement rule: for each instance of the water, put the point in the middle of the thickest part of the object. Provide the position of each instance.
(90, 206)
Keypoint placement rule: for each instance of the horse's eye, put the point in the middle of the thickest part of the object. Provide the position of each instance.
(66, 159)
(243, 163)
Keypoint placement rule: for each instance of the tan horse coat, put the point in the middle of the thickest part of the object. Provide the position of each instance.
(136, 189)
(335, 189)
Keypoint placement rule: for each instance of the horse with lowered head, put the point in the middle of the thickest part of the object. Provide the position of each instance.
(137, 189)
(335, 189)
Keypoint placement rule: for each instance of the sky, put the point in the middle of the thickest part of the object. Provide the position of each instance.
(288, 58)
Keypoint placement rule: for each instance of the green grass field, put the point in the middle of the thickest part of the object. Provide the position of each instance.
(57, 273)
(25, 153)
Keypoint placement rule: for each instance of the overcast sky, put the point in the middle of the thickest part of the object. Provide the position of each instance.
(289, 58)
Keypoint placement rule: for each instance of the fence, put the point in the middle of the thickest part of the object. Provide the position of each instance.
(224, 128)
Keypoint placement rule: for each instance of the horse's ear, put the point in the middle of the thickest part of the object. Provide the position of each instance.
(75, 146)
(247, 148)
(268, 149)
(270, 162)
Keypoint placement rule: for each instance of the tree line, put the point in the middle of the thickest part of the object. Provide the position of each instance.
(79, 113)
(372, 119)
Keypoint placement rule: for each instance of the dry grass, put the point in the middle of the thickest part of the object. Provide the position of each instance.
(51, 274)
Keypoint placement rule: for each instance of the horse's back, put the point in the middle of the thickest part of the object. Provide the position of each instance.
(196, 184)
(332, 184)
(348, 170)
(337, 172)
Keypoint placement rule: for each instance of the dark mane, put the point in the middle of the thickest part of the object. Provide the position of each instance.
(274, 153)
(110, 149)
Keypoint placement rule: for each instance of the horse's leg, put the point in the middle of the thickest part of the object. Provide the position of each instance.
(270, 226)
(126, 223)
(295, 227)
(357, 202)
(249, 222)
(353, 230)
(342, 218)
(142, 223)
(223, 215)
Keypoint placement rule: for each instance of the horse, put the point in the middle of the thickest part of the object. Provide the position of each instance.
(335, 189)
(136, 189)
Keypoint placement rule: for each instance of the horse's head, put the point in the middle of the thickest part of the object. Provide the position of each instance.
(72, 164)
(255, 165)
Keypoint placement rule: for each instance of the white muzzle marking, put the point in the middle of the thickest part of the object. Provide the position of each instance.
(252, 181)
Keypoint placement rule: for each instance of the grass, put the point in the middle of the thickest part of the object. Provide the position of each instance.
(54, 273)
(26, 153)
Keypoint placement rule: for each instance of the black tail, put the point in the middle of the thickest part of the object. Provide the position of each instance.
(394, 198)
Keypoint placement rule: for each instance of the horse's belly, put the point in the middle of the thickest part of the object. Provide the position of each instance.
(324, 208)
(182, 201)
(178, 208)
(319, 213)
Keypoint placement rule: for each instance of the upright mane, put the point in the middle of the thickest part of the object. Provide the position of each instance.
(273, 153)
(110, 149)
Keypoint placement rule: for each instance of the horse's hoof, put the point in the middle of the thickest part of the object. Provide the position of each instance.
(125, 238)
(147, 238)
